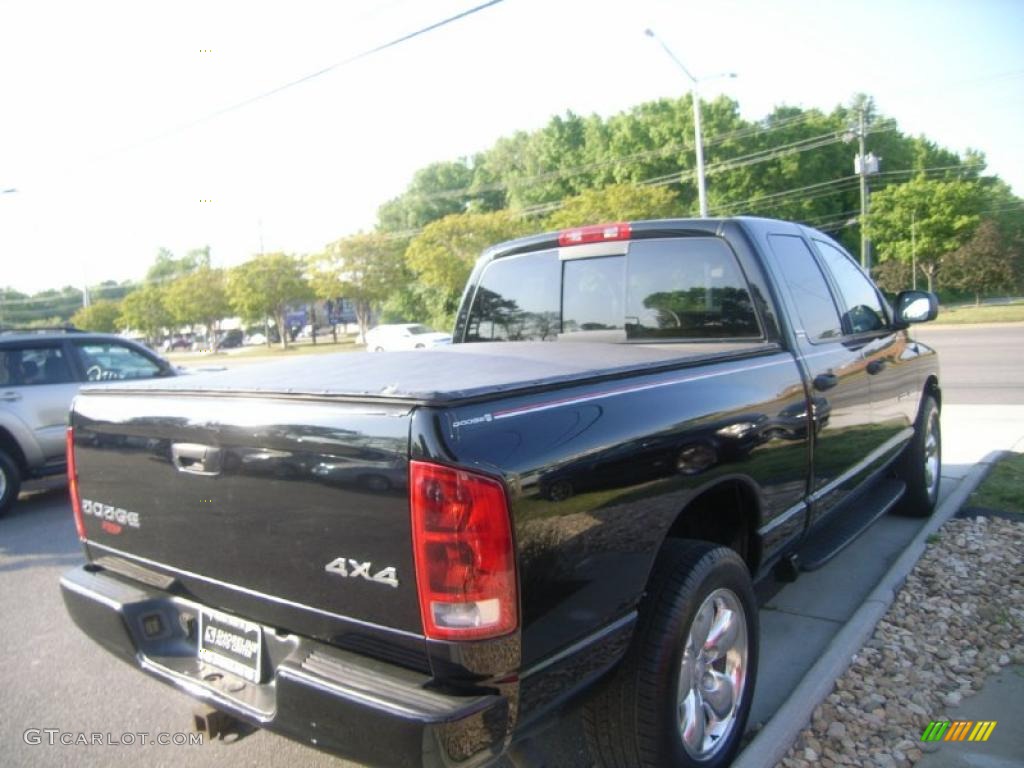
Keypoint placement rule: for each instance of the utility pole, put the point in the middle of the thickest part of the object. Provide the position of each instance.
(863, 165)
(913, 249)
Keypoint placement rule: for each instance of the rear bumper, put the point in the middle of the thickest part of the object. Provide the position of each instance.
(357, 707)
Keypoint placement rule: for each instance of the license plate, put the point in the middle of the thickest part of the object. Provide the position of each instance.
(231, 643)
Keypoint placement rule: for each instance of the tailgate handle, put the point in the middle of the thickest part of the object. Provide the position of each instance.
(196, 458)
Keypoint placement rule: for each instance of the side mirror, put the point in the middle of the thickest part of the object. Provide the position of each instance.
(916, 307)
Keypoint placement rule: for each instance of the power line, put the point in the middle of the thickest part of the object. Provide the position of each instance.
(305, 78)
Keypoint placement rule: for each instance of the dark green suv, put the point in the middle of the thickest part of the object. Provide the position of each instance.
(40, 373)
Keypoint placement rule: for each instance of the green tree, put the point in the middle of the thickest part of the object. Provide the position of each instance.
(436, 191)
(167, 267)
(143, 309)
(443, 254)
(101, 316)
(619, 202)
(199, 297)
(924, 219)
(364, 268)
(892, 276)
(987, 263)
(264, 287)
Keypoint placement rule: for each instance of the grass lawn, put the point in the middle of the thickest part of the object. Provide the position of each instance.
(1003, 489)
(986, 313)
(262, 353)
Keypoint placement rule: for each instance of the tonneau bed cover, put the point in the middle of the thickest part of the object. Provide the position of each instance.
(467, 371)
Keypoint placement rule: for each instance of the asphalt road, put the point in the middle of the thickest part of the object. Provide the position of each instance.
(54, 677)
(981, 365)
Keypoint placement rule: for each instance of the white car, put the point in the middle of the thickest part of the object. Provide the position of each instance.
(389, 338)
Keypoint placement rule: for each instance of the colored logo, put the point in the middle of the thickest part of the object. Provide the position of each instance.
(958, 730)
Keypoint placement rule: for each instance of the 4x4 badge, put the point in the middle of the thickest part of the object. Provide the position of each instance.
(349, 568)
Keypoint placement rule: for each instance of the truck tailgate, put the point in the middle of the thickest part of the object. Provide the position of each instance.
(291, 513)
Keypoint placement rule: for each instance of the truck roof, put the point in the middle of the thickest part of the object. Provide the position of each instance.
(463, 372)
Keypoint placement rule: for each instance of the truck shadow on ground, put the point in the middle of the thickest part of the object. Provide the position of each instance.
(39, 531)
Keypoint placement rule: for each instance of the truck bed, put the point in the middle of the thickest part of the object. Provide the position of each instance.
(470, 371)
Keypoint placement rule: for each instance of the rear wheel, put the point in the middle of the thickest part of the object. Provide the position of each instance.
(10, 482)
(920, 466)
(682, 695)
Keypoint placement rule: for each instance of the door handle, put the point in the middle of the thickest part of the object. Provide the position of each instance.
(825, 381)
(876, 366)
(10, 397)
(196, 459)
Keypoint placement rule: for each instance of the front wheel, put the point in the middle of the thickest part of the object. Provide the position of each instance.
(682, 695)
(920, 466)
(10, 482)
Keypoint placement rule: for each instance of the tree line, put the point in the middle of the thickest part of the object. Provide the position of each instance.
(933, 211)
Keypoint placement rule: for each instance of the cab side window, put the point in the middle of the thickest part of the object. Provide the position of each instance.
(864, 312)
(110, 361)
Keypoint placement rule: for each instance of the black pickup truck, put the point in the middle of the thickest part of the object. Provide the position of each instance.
(415, 558)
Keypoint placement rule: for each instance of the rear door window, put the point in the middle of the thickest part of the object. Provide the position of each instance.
(32, 366)
(814, 303)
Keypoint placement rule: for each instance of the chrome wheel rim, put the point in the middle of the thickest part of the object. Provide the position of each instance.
(3, 483)
(712, 675)
(932, 456)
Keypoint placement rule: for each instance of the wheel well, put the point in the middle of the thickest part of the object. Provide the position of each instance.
(10, 446)
(931, 387)
(725, 514)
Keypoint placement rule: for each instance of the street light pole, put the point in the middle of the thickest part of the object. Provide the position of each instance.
(865, 258)
(698, 138)
(702, 193)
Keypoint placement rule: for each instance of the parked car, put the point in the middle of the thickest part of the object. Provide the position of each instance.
(231, 339)
(390, 338)
(40, 373)
(663, 413)
(256, 336)
(177, 344)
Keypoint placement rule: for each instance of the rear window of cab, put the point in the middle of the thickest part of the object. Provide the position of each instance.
(671, 289)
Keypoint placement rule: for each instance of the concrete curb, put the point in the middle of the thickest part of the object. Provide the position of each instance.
(774, 740)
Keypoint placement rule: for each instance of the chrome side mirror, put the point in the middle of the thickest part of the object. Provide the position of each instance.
(916, 307)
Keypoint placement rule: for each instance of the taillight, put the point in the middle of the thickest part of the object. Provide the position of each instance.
(76, 499)
(599, 233)
(462, 545)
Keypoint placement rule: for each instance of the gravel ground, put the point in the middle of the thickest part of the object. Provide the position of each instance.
(958, 619)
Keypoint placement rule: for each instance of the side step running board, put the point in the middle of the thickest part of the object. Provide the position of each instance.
(846, 525)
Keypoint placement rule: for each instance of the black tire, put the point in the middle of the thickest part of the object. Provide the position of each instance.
(632, 721)
(912, 468)
(10, 482)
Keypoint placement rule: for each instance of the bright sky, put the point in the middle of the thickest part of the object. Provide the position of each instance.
(99, 103)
